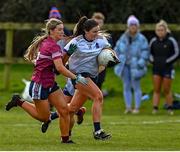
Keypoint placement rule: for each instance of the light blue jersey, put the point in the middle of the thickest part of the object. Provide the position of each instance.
(84, 59)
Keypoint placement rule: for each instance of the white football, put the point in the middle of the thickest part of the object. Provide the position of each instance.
(105, 56)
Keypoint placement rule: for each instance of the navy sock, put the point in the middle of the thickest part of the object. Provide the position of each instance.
(155, 107)
(170, 107)
(54, 115)
(20, 102)
(64, 138)
(69, 132)
(97, 126)
(79, 112)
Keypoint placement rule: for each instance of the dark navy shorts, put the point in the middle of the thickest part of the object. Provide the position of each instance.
(37, 91)
(85, 74)
(66, 92)
(166, 73)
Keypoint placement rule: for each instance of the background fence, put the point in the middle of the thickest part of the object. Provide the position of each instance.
(10, 27)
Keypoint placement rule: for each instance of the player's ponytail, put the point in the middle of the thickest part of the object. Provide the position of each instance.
(79, 27)
(84, 24)
(33, 49)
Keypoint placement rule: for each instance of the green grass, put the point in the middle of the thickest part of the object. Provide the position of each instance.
(18, 131)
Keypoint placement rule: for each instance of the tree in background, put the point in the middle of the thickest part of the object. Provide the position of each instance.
(149, 11)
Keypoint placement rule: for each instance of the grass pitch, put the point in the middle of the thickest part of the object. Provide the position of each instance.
(18, 131)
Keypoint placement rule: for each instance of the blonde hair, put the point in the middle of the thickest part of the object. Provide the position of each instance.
(33, 49)
(98, 15)
(164, 24)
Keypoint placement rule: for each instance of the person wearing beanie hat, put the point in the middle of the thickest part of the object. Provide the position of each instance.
(132, 50)
(54, 13)
(132, 20)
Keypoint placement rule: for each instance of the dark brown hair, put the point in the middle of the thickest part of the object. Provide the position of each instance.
(84, 24)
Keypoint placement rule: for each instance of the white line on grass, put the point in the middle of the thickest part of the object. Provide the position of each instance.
(112, 123)
(145, 122)
(21, 124)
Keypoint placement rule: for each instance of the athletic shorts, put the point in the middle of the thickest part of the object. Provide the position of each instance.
(85, 74)
(166, 73)
(37, 91)
(66, 92)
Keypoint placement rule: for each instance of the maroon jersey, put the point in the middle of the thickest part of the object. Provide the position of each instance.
(44, 65)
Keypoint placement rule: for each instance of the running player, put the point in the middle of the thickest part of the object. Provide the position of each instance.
(45, 53)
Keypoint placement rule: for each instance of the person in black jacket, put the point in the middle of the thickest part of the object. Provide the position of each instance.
(163, 53)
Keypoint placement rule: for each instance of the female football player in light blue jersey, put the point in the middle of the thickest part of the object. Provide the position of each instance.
(83, 61)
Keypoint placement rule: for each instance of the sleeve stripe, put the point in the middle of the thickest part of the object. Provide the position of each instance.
(150, 44)
(151, 58)
(176, 50)
(56, 54)
(44, 56)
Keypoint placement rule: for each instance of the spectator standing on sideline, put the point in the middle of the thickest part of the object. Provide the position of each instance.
(54, 13)
(163, 53)
(132, 50)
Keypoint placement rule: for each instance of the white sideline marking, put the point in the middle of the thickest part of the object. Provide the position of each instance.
(145, 122)
(112, 123)
(21, 125)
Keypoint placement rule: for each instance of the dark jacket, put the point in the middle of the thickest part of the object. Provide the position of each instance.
(163, 53)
